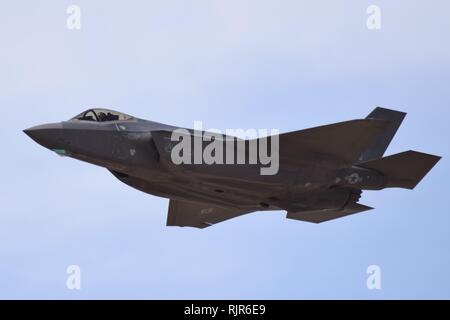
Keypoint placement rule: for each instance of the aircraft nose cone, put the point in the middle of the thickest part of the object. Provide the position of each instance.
(47, 135)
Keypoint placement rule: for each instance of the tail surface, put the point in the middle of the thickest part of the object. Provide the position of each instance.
(378, 148)
(403, 170)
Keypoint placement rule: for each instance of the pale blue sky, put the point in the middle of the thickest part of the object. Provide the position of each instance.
(233, 64)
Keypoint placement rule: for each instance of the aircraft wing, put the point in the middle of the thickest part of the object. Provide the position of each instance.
(199, 215)
(344, 140)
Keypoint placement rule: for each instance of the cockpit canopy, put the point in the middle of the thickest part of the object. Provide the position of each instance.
(102, 115)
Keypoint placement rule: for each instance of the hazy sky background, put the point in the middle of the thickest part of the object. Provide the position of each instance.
(232, 64)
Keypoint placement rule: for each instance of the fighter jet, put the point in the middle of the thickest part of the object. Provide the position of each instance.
(321, 175)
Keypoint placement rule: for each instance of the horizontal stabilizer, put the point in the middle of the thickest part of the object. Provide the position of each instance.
(318, 216)
(403, 170)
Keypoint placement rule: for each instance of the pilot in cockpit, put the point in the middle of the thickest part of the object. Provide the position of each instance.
(102, 115)
(107, 117)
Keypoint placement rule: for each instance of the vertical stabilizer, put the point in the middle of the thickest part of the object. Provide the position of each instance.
(378, 148)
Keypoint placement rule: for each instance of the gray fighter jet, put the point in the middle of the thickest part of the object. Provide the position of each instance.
(322, 170)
